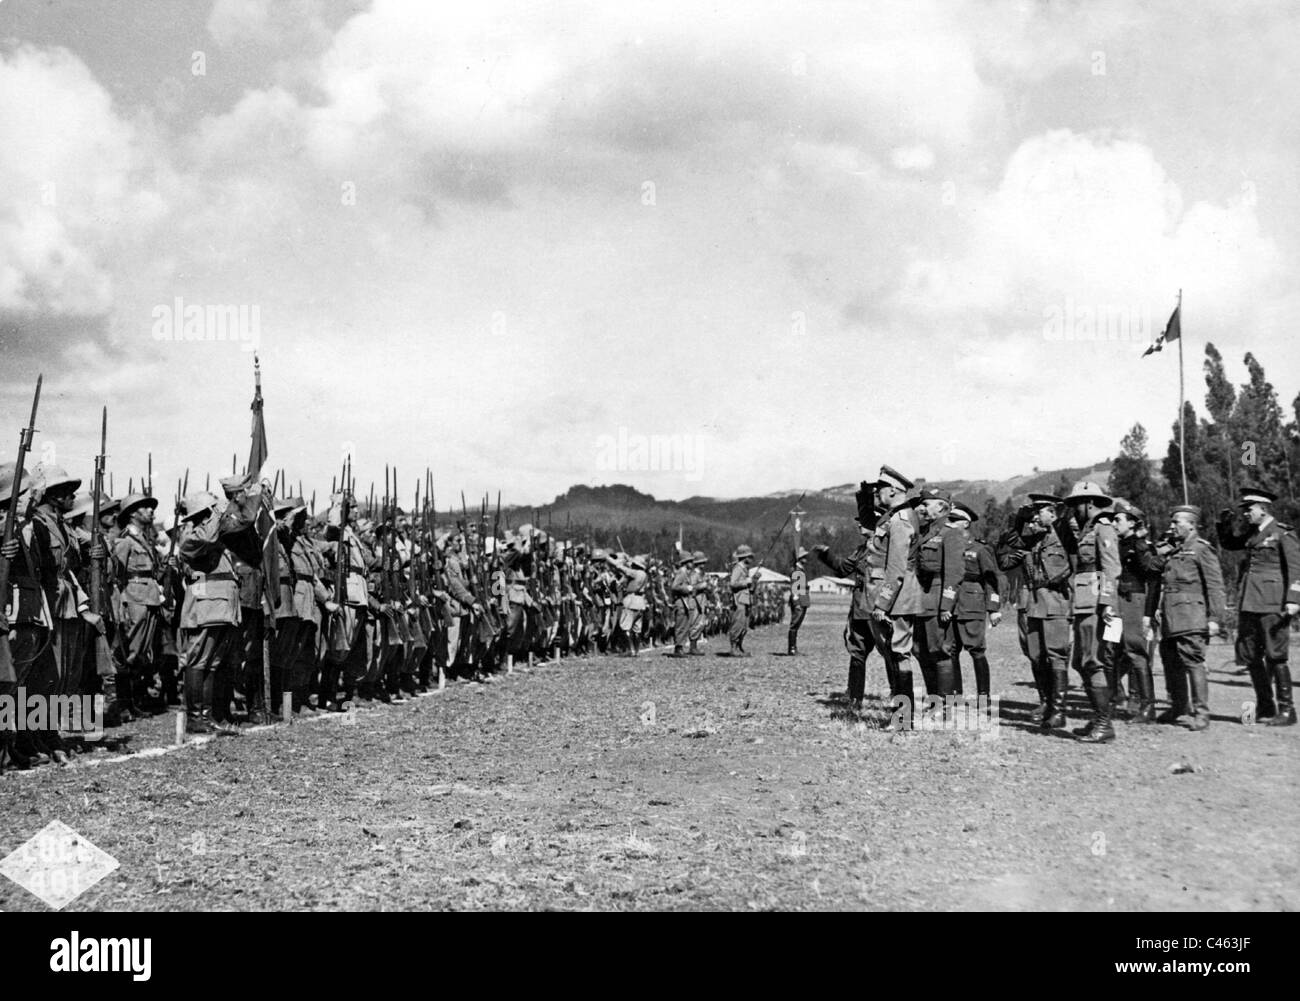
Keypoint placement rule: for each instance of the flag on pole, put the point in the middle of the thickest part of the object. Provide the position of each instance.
(253, 488)
(1172, 332)
(257, 453)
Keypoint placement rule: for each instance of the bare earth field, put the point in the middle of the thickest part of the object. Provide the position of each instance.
(704, 783)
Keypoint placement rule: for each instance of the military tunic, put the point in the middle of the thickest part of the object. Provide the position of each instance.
(1190, 595)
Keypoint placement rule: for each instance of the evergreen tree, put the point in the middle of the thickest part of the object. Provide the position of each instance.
(1130, 477)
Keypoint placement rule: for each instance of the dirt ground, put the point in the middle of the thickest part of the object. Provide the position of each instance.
(704, 783)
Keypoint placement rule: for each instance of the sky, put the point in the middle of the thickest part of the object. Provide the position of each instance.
(704, 249)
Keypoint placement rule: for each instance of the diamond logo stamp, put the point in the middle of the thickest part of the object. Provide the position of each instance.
(57, 865)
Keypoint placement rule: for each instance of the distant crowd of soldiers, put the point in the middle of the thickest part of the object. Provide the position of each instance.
(1091, 587)
(233, 621)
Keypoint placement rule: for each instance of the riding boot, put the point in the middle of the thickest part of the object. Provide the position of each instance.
(1043, 685)
(1090, 689)
(791, 643)
(112, 708)
(1103, 730)
(1055, 717)
(981, 663)
(904, 708)
(1285, 715)
(1265, 707)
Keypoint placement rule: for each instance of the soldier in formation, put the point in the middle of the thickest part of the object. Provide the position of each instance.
(248, 606)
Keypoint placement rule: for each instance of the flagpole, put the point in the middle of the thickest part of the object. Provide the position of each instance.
(1182, 437)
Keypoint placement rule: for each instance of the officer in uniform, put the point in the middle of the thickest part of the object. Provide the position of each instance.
(1191, 601)
(1268, 599)
(1012, 548)
(210, 619)
(683, 593)
(865, 567)
(978, 602)
(1135, 600)
(699, 614)
(939, 567)
(139, 573)
(898, 595)
(1092, 540)
(741, 593)
(633, 604)
(799, 600)
(1047, 611)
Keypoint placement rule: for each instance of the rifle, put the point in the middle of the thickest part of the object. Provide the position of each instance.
(341, 552)
(103, 655)
(11, 522)
(148, 486)
(169, 576)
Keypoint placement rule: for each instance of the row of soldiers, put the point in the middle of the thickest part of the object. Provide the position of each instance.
(1091, 589)
(232, 620)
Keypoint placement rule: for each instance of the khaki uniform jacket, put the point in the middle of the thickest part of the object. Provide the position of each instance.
(1048, 572)
(137, 569)
(739, 583)
(977, 595)
(939, 568)
(900, 591)
(212, 594)
(1271, 576)
(1097, 567)
(634, 588)
(1190, 589)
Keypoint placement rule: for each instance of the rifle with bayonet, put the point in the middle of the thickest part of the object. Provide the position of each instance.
(11, 529)
(104, 665)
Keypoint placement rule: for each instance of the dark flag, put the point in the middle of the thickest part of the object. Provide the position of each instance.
(1173, 331)
(254, 487)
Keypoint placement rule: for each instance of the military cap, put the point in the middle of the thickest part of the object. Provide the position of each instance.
(891, 477)
(961, 511)
(930, 493)
(598, 554)
(1126, 507)
(440, 540)
(684, 557)
(743, 552)
(196, 504)
(1191, 509)
(800, 554)
(132, 503)
(1040, 500)
(700, 558)
(1256, 495)
(638, 562)
(231, 484)
(1086, 490)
